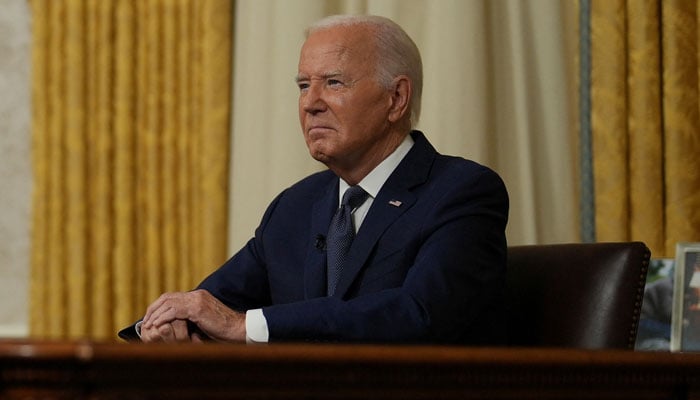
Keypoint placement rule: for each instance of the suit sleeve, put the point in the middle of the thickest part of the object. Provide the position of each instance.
(242, 282)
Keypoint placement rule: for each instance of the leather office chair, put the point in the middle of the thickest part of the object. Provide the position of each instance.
(583, 295)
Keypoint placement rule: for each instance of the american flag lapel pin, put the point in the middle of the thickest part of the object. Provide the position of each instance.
(395, 203)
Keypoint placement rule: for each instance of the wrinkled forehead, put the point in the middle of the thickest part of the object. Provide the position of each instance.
(345, 44)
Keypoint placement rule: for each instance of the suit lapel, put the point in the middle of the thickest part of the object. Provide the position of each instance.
(378, 219)
(394, 199)
(315, 265)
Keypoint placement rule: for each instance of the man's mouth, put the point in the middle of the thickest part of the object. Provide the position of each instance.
(316, 130)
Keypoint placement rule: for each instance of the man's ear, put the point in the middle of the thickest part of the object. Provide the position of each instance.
(401, 90)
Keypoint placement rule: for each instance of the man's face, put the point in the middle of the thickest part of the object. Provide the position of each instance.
(342, 108)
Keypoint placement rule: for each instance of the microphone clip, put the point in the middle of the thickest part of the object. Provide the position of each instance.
(320, 243)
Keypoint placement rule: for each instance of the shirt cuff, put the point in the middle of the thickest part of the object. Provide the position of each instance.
(256, 326)
(137, 328)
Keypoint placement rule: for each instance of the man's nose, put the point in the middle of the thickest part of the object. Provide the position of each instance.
(312, 99)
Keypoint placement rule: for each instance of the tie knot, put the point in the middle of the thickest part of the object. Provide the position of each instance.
(354, 196)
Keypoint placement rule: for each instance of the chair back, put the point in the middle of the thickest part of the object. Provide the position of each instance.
(582, 295)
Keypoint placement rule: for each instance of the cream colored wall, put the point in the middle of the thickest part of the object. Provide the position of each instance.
(15, 168)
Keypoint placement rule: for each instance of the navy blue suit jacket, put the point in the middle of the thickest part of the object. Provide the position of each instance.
(428, 263)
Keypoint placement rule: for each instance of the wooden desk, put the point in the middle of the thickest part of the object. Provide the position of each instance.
(87, 370)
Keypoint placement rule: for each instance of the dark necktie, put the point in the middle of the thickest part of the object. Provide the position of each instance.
(341, 233)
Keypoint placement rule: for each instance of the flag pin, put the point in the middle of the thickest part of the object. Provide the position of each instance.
(395, 203)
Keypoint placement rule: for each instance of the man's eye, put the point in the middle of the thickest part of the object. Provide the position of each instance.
(303, 86)
(334, 82)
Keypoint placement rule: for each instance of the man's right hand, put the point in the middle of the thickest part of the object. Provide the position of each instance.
(171, 332)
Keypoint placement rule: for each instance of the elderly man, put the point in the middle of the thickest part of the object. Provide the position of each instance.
(393, 243)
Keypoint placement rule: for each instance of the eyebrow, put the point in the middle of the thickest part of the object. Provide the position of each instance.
(325, 75)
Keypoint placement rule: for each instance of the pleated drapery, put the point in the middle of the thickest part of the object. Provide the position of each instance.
(646, 122)
(131, 109)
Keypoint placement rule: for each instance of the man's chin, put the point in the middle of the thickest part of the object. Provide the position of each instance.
(320, 157)
(318, 151)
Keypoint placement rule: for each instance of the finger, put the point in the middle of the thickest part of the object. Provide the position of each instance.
(179, 328)
(196, 338)
(166, 333)
(154, 307)
(166, 314)
(150, 335)
(167, 308)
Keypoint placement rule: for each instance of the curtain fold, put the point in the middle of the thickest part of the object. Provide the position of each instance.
(645, 120)
(131, 107)
(645, 125)
(681, 122)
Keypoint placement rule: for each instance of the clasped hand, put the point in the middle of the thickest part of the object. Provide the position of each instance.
(166, 319)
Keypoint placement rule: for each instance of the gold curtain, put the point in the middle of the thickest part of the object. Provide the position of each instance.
(646, 122)
(131, 109)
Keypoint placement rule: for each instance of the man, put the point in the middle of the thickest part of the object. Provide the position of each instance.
(428, 260)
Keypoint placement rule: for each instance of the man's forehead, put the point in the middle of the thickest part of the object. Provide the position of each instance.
(325, 49)
(335, 51)
(340, 41)
(325, 59)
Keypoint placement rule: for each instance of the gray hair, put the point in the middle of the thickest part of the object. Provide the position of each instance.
(400, 55)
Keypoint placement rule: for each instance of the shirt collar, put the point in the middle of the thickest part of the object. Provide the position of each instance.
(374, 181)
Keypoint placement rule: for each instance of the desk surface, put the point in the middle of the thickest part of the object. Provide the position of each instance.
(90, 370)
